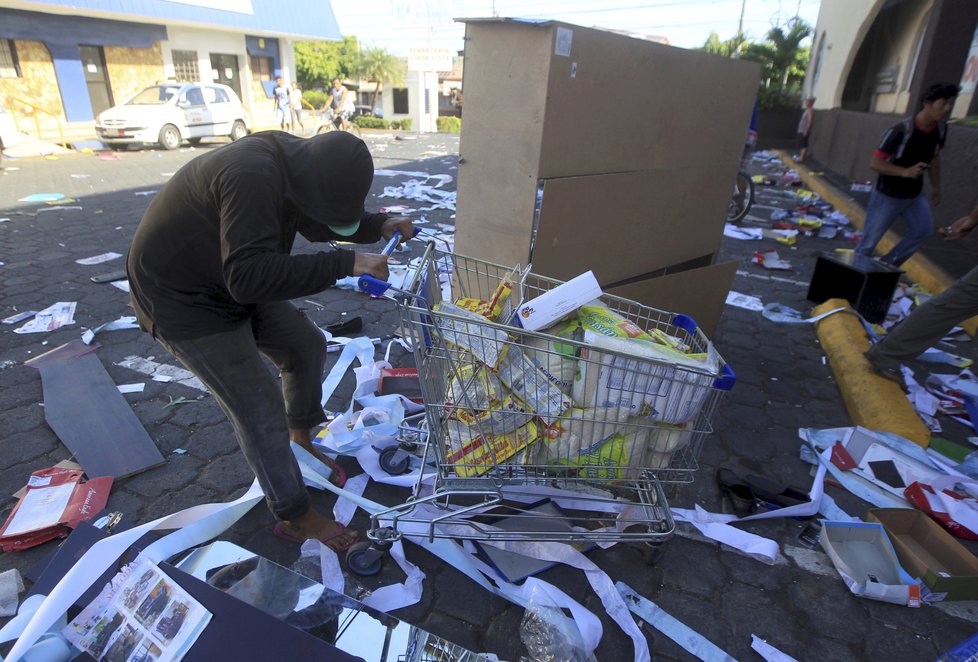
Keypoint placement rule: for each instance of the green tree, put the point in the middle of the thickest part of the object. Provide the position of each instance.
(726, 48)
(787, 54)
(379, 66)
(318, 62)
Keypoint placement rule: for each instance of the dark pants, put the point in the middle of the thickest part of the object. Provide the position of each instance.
(260, 409)
(928, 323)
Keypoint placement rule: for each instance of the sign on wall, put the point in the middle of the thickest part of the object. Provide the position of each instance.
(429, 58)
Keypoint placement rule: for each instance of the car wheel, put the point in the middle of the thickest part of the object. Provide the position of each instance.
(169, 137)
(238, 130)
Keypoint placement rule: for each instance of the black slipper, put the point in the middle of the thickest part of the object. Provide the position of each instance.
(740, 494)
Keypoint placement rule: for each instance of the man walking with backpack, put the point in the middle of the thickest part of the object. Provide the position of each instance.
(906, 150)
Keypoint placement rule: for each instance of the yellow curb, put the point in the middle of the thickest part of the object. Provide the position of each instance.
(920, 269)
(873, 401)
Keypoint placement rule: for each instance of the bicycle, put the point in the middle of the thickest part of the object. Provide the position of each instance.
(332, 122)
(742, 199)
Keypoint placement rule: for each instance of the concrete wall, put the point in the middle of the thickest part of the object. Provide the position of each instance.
(842, 24)
(777, 129)
(843, 141)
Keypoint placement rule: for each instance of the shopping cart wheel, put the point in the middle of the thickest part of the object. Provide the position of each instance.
(364, 559)
(652, 552)
(394, 461)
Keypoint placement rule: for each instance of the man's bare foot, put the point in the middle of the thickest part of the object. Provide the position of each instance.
(304, 438)
(314, 526)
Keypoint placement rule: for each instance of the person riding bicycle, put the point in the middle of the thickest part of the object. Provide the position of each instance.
(341, 105)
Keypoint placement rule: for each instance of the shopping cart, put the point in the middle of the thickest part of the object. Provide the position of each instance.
(515, 418)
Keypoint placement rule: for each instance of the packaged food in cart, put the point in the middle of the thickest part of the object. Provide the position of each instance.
(555, 357)
(477, 401)
(669, 382)
(472, 334)
(499, 307)
(532, 386)
(475, 456)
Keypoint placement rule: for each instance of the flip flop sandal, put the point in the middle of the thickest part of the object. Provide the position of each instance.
(740, 494)
(280, 532)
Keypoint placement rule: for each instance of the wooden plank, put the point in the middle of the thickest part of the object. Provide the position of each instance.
(85, 409)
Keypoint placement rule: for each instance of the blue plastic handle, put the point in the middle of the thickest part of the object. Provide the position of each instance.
(726, 380)
(372, 285)
(685, 322)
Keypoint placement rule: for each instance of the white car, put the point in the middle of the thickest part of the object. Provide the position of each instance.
(170, 113)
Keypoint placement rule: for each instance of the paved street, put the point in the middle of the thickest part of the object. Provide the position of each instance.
(799, 605)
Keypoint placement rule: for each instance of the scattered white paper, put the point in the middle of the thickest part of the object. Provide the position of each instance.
(121, 285)
(745, 301)
(99, 259)
(737, 232)
(119, 324)
(132, 388)
(53, 317)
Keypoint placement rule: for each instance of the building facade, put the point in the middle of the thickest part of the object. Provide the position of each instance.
(67, 62)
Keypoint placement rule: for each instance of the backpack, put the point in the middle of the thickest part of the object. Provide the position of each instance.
(906, 129)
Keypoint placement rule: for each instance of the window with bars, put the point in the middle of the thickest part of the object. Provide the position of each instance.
(185, 66)
(9, 65)
(261, 68)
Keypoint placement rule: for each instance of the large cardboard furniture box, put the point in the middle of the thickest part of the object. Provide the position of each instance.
(588, 150)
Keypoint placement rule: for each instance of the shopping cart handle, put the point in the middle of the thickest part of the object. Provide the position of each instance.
(372, 285)
(726, 380)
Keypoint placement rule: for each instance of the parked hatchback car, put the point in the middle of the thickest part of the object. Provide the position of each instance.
(169, 113)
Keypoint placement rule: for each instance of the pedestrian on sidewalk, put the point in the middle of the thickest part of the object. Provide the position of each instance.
(805, 127)
(212, 274)
(931, 321)
(906, 151)
(280, 103)
(295, 105)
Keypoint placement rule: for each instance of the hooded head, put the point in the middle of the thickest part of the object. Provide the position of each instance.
(327, 178)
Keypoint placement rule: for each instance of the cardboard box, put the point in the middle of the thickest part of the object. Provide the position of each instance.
(929, 552)
(868, 563)
(641, 193)
(542, 311)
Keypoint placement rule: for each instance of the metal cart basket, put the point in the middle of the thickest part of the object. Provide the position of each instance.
(596, 420)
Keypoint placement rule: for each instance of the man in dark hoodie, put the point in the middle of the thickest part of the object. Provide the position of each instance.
(211, 274)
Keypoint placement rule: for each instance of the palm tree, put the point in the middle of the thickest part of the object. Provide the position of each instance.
(786, 49)
(378, 65)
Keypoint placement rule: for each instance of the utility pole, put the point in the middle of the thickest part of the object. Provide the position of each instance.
(740, 28)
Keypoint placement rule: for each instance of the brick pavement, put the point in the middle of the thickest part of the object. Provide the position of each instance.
(800, 605)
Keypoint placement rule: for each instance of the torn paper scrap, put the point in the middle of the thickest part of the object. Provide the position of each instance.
(745, 301)
(737, 232)
(158, 370)
(121, 285)
(11, 585)
(138, 387)
(770, 260)
(19, 317)
(98, 259)
(121, 323)
(53, 317)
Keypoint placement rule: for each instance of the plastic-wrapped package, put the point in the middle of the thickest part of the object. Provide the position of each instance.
(548, 635)
(557, 360)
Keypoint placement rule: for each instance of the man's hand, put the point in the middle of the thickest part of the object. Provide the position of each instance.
(915, 171)
(959, 228)
(935, 197)
(372, 264)
(400, 224)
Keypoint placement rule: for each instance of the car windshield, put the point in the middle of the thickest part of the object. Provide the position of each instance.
(154, 96)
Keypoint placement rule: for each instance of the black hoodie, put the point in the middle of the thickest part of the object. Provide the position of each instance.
(216, 240)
